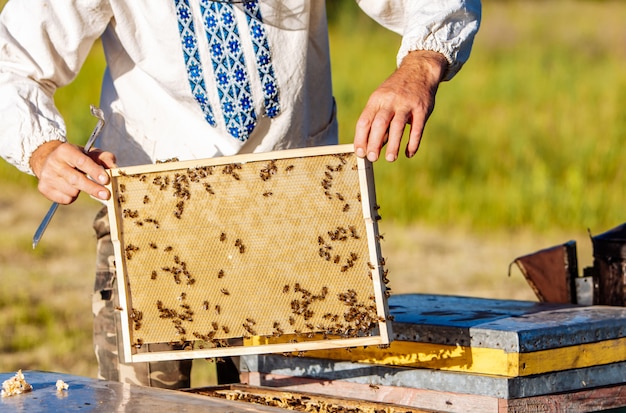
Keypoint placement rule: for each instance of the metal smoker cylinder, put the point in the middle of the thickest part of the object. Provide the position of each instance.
(609, 264)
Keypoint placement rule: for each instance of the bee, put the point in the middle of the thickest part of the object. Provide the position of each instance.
(292, 321)
(121, 199)
(153, 276)
(339, 196)
(336, 259)
(159, 304)
(235, 175)
(208, 188)
(183, 296)
(168, 249)
(328, 195)
(153, 245)
(276, 324)
(146, 199)
(251, 321)
(118, 308)
(222, 237)
(242, 249)
(218, 309)
(326, 184)
(289, 168)
(380, 237)
(268, 193)
(286, 288)
(382, 261)
(344, 268)
(374, 387)
(122, 188)
(354, 256)
(225, 329)
(127, 213)
(215, 325)
(122, 173)
(139, 223)
(142, 178)
(237, 242)
(370, 266)
(176, 259)
(224, 291)
(320, 240)
(328, 175)
(138, 343)
(205, 305)
(220, 274)
(346, 208)
(353, 232)
(358, 196)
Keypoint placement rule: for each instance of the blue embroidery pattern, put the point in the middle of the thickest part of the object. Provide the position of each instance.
(229, 67)
(192, 59)
(263, 58)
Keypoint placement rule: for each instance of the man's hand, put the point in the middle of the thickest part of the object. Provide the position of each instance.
(406, 97)
(62, 169)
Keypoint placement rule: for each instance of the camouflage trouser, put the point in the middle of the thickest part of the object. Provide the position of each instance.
(106, 327)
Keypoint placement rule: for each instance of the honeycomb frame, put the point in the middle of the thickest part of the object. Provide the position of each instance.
(248, 254)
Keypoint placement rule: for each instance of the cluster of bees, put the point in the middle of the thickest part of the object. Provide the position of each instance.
(327, 181)
(358, 316)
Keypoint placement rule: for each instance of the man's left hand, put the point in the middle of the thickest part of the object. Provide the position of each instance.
(406, 97)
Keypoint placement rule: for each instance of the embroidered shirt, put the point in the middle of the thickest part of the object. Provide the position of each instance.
(153, 108)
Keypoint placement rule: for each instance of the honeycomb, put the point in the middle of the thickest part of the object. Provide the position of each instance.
(275, 247)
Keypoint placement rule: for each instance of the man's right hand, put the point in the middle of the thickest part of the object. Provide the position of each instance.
(62, 170)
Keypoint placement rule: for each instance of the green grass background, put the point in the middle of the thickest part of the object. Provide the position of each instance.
(528, 136)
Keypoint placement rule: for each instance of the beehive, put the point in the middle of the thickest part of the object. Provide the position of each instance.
(281, 244)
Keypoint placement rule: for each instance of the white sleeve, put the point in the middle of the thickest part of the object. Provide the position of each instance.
(444, 26)
(43, 44)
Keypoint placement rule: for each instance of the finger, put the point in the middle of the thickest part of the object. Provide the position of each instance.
(103, 158)
(58, 191)
(81, 182)
(396, 130)
(83, 163)
(362, 132)
(108, 160)
(378, 134)
(415, 136)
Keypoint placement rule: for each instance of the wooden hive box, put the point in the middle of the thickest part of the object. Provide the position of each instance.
(281, 244)
(467, 354)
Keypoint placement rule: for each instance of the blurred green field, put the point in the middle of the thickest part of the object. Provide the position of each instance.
(528, 135)
(524, 147)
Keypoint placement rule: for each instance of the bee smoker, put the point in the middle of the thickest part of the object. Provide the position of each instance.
(609, 267)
